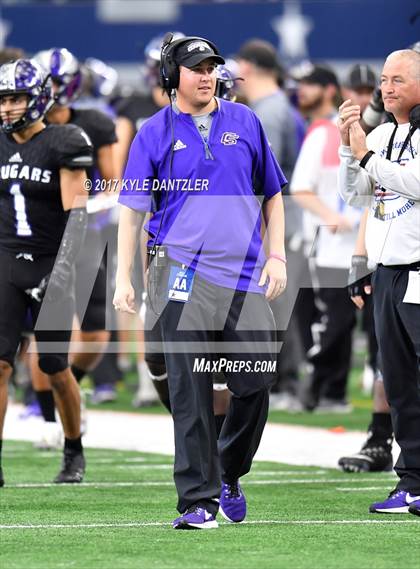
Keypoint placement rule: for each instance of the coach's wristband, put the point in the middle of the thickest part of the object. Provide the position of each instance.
(278, 257)
(366, 158)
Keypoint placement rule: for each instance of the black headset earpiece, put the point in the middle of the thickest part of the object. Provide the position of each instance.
(169, 69)
(164, 72)
(414, 116)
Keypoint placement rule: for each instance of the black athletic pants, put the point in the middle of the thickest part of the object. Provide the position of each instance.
(248, 335)
(397, 327)
(332, 332)
(52, 321)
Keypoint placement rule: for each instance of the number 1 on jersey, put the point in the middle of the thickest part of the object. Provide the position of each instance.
(23, 228)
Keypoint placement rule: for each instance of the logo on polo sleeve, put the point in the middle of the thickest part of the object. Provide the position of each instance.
(229, 138)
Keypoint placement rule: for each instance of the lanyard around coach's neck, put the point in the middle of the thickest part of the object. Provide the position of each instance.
(405, 143)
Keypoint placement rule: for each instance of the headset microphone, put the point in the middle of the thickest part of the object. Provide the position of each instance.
(169, 36)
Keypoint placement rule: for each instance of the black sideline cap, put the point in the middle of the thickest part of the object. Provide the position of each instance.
(194, 52)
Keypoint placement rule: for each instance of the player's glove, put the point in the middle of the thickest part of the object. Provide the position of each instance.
(54, 286)
(38, 292)
(359, 276)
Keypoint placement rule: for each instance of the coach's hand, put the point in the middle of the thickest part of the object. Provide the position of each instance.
(124, 297)
(348, 114)
(275, 271)
(358, 141)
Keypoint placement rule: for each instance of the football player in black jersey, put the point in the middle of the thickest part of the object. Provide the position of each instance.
(90, 269)
(42, 226)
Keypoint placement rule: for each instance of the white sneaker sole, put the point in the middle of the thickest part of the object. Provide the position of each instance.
(227, 518)
(207, 525)
(402, 510)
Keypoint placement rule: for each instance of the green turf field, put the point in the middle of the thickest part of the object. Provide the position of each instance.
(299, 517)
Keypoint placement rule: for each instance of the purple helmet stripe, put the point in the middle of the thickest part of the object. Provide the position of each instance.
(55, 63)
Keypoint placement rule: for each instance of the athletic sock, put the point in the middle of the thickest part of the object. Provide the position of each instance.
(78, 373)
(46, 402)
(380, 428)
(219, 419)
(74, 445)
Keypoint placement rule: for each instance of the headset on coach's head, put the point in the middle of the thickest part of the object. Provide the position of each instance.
(169, 69)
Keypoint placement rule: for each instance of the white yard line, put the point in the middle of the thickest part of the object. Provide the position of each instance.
(364, 489)
(290, 444)
(129, 525)
(246, 482)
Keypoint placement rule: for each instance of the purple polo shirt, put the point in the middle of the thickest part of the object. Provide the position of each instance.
(211, 215)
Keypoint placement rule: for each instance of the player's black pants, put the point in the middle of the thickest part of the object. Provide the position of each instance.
(330, 355)
(398, 333)
(188, 330)
(52, 321)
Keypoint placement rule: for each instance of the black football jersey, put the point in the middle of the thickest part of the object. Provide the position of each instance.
(32, 219)
(99, 127)
(137, 108)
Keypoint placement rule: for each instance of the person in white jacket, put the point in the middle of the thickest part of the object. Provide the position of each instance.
(382, 171)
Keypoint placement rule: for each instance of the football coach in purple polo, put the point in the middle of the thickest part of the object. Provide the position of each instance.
(210, 277)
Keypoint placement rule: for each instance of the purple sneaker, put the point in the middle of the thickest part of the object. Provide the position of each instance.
(195, 518)
(398, 502)
(232, 502)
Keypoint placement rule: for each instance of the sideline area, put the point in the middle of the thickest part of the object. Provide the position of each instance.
(290, 444)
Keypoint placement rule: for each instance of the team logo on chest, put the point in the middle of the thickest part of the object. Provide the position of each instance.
(229, 138)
